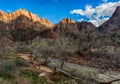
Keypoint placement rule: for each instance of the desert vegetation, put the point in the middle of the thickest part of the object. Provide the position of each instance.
(85, 46)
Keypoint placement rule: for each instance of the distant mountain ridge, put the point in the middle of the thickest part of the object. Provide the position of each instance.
(24, 19)
(8, 17)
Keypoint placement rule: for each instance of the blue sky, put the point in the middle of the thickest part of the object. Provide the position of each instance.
(55, 10)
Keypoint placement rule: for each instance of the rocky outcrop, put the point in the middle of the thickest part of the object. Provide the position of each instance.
(67, 21)
(68, 25)
(65, 25)
(90, 74)
(113, 23)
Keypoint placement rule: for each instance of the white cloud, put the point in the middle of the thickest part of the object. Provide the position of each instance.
(80, 20)
(88, 12)
(98, 22)
(97, 14)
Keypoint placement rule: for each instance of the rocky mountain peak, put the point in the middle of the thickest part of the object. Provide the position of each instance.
(113, 23)
(9, 17)
(67, 21)
(68, 25)
(117, 12)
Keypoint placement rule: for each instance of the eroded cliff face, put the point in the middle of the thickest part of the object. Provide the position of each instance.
(67, 21)
(8, 17)
(69, 25)
(66, 25)
(25, 18)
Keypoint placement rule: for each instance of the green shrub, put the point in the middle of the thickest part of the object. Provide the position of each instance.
(7, 67)
(21, 62)
(34, 76)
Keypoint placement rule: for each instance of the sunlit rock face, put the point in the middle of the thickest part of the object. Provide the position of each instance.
(7, 17)
(46, 22)
(69, 25)
(22, 19)
(66, 25)
(67, 21)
